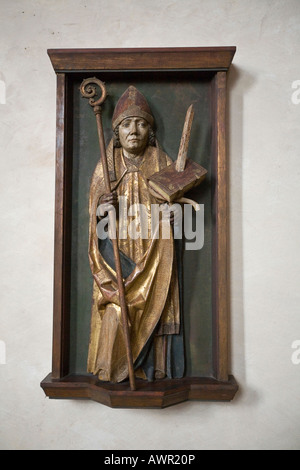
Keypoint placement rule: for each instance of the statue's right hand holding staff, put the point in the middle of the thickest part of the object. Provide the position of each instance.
(109, 201)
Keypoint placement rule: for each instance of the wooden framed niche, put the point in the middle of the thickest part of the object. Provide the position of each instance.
(171, 79)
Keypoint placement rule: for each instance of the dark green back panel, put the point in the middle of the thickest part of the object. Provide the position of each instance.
(169, 96)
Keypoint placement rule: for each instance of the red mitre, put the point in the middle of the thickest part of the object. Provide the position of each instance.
(132, 103)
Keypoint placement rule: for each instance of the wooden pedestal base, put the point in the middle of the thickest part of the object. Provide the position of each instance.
(158, 394)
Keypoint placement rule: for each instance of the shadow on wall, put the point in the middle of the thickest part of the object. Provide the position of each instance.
(239, 83)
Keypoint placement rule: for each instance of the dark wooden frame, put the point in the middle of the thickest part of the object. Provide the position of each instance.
(58, 384)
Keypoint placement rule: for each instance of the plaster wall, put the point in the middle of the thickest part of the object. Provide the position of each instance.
(264, 143)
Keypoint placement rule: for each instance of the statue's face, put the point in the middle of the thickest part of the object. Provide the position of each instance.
(134, 134)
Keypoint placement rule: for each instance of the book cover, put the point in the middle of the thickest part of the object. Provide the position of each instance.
(170, 184)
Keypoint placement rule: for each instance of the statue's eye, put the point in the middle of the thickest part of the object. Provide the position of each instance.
(126, 124)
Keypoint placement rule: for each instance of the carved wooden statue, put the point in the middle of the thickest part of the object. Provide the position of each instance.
(149, 265)
(136, 354)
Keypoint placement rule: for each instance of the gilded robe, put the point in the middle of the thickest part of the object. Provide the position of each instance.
(151, 289)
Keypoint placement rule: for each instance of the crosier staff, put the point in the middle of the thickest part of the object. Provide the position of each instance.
(88, 90)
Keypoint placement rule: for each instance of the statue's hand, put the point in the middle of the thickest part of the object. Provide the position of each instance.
(109, 201)
(172, 213)
(176, 215)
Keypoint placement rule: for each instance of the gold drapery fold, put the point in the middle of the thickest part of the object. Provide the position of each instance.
(151, 290)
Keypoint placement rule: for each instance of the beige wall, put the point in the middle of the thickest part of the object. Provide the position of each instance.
(264, 209)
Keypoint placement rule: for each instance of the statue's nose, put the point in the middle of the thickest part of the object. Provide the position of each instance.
(133, 127)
